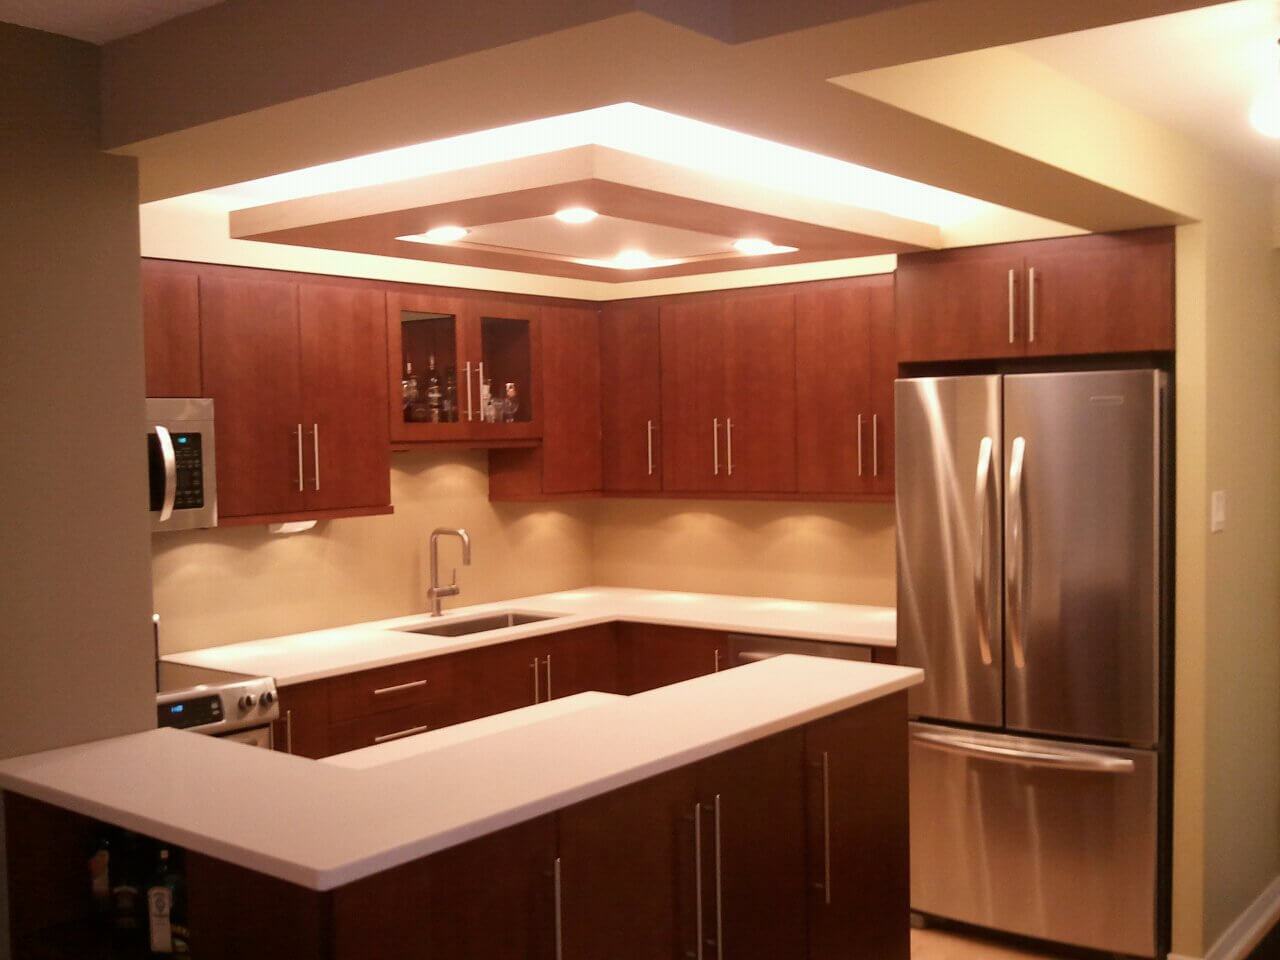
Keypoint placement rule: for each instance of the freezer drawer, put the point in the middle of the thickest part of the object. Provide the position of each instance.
(1035, 837)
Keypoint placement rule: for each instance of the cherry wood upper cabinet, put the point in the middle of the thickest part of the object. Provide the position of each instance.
(171, 328)
(845, 367)
(693, 395)
(631, 397)
(1101, 293)
(344, 397)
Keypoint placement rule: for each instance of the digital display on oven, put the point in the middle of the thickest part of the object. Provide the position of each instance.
(191, 712)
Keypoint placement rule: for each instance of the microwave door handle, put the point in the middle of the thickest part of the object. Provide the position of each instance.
(170, 472)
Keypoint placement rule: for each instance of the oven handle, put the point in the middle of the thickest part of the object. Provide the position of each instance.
(1040, 757)
(170, 472)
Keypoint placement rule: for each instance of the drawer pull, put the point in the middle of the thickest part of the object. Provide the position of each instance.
(401, 733)
(399, 686)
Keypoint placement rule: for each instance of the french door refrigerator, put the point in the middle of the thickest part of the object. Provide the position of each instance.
(1032, 512)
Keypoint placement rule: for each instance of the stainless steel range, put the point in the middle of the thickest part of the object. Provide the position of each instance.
(230, 705)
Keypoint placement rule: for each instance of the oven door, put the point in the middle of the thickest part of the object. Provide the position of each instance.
(180, 464)
(253, 736)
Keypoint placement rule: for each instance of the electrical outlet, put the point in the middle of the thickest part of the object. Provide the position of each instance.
(1218, 511)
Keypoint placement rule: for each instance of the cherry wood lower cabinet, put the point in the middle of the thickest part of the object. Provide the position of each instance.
(652, 656)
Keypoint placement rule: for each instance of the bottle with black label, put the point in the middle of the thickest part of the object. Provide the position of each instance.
(127, 902)
(449, 407)
(435, 396)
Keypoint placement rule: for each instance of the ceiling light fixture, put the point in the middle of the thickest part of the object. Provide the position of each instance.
(576, 215)
(633, 259)
(444, 234)
(1264, 113)
(758, 246)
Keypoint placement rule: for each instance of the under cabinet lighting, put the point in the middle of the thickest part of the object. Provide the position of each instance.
(576, 215)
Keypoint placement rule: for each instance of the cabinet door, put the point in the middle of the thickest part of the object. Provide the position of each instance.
(760, 393)
(504, 344)
(1105, 293)
(303, 727)
(884, 370)
(960, 304)
(653, 656)
(693, 396)
(858, 849)
(421, 327)
(631, 397)
(570, 400)
(833, 387)
(492, 898)
(580, 660)
(249, 365)
(497, 678)
(344, 397)
(754, 869)
(627, 872)
(171, 328)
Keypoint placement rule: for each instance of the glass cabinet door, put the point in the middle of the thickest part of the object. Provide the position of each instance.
(429, 375)
(505, 370)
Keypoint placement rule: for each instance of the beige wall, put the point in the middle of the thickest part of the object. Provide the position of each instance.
(840, 552)
(242, 583)
(75, 583)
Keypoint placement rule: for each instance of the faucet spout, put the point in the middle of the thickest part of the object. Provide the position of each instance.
(436, 592)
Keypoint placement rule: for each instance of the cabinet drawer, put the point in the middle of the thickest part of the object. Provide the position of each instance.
(383, 727)
(376, 691)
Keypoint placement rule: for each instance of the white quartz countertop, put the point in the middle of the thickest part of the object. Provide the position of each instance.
(300, 657)
(323, 825)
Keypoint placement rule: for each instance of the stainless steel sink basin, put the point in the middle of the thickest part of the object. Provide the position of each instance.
(495, 621)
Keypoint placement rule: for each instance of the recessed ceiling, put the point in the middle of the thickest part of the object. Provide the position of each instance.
(96, 21)
(601, 239)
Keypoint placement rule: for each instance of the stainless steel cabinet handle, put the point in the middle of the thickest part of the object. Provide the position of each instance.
(170, 472)
(480, 388)
(648, 430)
(400, 733)
(981, 570)
(467, 376)
(559, 914)
(1031, 305)
(859, 444)
(826, 828)
(715, 448)
(298, 434)
(719, 889)
(1041, 756)
(717, 652)
(288, 731)
(1016, 524)
(399, 686)
(875, 444)
(728, 444)
(315, 450)
(697, 876)
(537, 691)
(548, 664)
(1012, 306)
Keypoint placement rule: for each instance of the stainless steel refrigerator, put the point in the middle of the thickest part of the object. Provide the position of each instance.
(1032, 514)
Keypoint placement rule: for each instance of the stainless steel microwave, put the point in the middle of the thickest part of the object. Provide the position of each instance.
(181, 463)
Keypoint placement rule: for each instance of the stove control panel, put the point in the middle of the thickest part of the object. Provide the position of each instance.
(219, 708)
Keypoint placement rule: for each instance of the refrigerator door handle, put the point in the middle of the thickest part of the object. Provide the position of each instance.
(982, 570)
(1041, 756)
(1017, 562)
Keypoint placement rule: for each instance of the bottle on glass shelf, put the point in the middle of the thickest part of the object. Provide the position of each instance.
(511, 405)
(486, 401)
(409, 387)
(435, 396)
(449, 406)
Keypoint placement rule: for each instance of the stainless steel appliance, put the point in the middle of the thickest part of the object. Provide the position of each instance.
(230, 705)
(181, 463)
(1032, 588)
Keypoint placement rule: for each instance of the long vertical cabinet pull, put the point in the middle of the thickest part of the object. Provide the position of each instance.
(480, 388)
(648, 434)
(875, 444)
(859, 444)
(1012, 305)
(826, 828)
(548, 689)
(728, 444)
(288, 731)
(717, 660)
(715, 448)
(298, 435)
(315, 451)
(559, 912)
(697, 877)
(537, 691)
(719, 889)
(467, 376)
(1031, 305)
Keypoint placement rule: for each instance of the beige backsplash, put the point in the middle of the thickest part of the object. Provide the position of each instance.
(242, 583)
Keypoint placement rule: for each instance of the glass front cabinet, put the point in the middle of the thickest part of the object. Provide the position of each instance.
(462, 370)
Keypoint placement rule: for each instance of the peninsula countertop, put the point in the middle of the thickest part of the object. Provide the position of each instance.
(297, 658)
(322, 825)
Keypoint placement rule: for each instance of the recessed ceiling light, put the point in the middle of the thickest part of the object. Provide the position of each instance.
(576, 215)
(758, 246)
(437, 235)
(633, 259)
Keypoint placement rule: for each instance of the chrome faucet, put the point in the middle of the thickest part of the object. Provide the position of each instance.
(436, 592)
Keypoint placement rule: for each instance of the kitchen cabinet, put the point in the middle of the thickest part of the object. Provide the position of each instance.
(631, 397)
(303, 727)
(729, 394)
(845, 368)
(171, 328)
(652, 656)
(857, 826)
(568, 460)
(477, 346)
(294, 381)
(1100, 293)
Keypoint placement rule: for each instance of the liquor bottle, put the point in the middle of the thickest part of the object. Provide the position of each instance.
(486, 401)
(512, 404)
(100, 874)
(449, 408)
(127, 905)
(435, 395)
(409, 386)
(160, 905)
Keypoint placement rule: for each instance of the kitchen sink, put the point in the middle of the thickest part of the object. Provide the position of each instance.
(495, 621)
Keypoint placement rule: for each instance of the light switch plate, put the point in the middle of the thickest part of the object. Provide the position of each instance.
(1218, 511)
